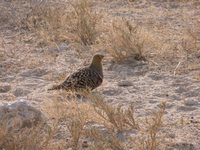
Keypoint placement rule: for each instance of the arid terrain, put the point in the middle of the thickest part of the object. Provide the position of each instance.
(150, 95)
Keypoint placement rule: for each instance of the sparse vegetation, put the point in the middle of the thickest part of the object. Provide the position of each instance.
(104, 140)
(85, 21)
(28, 138)
(194, 33)
(76, 121)
(49, 21)
(119, 118)
(126, 41)
(55, 22)
(151, 139)
(30, 34)
(75, 117)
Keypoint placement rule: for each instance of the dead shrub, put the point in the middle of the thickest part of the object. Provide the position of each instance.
(125, 41)
(85, 21)
(150, 139)
(75, 124)
(35, 138)
(49, 21)
(39, 137)
(73, 114)
(74, 118)
(105, 141)
(55, 22)
(119, 118)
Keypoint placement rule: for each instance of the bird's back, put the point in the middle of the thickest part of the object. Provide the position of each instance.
(85, 78)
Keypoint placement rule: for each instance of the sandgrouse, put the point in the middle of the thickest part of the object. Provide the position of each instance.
(86, 78)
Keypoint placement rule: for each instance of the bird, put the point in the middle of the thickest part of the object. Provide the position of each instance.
(87, 78)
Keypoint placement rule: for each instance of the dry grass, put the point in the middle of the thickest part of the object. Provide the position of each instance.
(48, 21)
(74, 120)
(126, 41)
(187, 49)
(56, 22)
(194, 33)
(85, 21)
(27, 139)
(151, 139)
(119, 118)
(105, 140)
(1, 49)
(75, 115)
(53, 23)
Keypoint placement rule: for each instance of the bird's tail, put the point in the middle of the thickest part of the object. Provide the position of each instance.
(56, 87)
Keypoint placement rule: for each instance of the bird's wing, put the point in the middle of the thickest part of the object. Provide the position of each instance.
(83, 78)
(90, 79)
(77, 79)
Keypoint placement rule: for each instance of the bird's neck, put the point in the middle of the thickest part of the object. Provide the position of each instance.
(97, 66)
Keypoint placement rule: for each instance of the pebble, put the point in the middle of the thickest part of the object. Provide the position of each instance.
(186, 108)
(7, 97)
(191, 102)
(21, 92)
(125, 83)
(4, 88)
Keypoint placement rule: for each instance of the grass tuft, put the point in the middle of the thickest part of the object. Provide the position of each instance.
(85, 21)
(48, 21)
(150, 139)
(125, 41)
(119, 118)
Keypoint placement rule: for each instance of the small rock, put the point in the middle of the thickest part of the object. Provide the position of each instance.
(21, 92)
(7, 79)
(156, 77)
(180, 90)
(171, 135)
(125, 83)
(7, 97)
(112, 92)
(34, 72)
(192, 93)
(181, 146)
(85, 144)
(191, 102)
(125, 134)
(175, 97)
(4, 88)
(59, 48)
(153, 101)
(186, 108)
(19, 115)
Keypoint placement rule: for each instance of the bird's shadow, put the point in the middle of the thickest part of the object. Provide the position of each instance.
(71, 96)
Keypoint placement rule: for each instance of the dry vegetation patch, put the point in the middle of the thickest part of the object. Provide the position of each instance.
(48, 21)
(55, 22)
(152, 139)
(86, 120)
(86, 21)
(92, 125)
(126, 41)
(119, 118)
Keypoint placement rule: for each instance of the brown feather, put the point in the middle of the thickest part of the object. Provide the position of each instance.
(86, 78)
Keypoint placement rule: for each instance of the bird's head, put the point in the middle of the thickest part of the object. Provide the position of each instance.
(98, 57)
(96, 61)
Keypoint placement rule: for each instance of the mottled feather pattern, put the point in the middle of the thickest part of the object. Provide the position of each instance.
(86, 78)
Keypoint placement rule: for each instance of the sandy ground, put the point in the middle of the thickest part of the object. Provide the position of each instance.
(29, 70)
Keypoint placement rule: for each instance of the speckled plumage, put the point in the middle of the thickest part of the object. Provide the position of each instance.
(86, 78)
